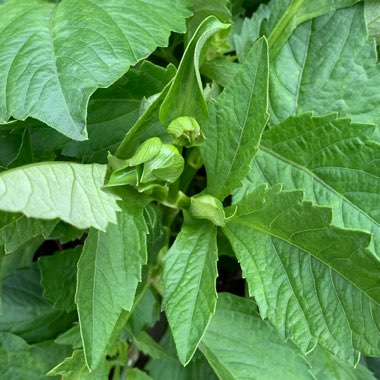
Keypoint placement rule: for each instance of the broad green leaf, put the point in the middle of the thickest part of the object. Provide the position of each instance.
(161, 369)
(235, 124)
(108, 273)
(307, 276)
(334, 161)
(58, 277)
(26, 313)
(326, 366)
(185, 96)
(66, 233)
(113, 111)
(189, 285)
(299, 11)
(238, 344)
(16, 229)
(372, 15)
(74, 368)
(328, 65)
(69, 191)
(21, 361)
(48, 70)
(373, 364)
(2, 254)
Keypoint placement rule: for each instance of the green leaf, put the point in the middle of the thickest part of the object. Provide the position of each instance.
(69, 191)
(307, 276)
(238, 344)
(235, 124)
(185, 96)
(113, 111)
(326, 366)
(48, 70)
(298, 12)
(74, 368)
(189, 285)
(26, 313)
(58, 277)
(108, 273)
(145, 343)
(21, 361)
(137, 374)
(328, 65)
(335, 161)
(16, 230)
(161, 369)
(372, 15)
(71, 337)
(14, 148)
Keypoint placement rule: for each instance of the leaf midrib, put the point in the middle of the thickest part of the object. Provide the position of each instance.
(319, 180)
(293, 244)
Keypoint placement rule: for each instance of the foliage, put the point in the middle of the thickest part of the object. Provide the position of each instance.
(189, 189)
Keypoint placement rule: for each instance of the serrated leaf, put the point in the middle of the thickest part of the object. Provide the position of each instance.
(74, 368)
(235, 124)
(58, 277)
(189, 285)
(239, 345)
(185, 96)
(16, 230)
(26, 313)
(19, 360)
(326, 366)
(334, 161)
(109, 271)
(328, 65)
(48, 70)
(307, 276)
(299, 11)
(69, 191)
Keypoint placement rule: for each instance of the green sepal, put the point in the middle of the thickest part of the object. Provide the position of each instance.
(124, 176)
(185, 131)
(146, 151)
(167, 165)
(207, 207)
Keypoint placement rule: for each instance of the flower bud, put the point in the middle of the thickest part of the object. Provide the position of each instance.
(185, 131)
(207, 207)
(166, 166)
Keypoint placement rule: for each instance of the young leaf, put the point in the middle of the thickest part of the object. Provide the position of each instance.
(189, 285)
(69, 191)
(19, 360)
(55, 56)
(333, 68)
(235, 124)
(108, 273)
(238, 344)
(187, 82)
(335, 161)
(307, 276)
(16, 230)
(58, 277)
